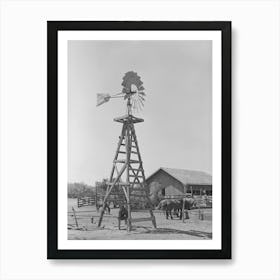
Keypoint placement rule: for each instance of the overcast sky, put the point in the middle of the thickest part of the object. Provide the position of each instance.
(177, 131)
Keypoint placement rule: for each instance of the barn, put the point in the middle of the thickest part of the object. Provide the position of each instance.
(172, 182)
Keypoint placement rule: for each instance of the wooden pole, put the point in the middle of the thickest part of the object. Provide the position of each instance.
(74, 213)
(117, 151)
(144, 178)
(109, 189)
(183, 210)
(96, 197)
(128, 149)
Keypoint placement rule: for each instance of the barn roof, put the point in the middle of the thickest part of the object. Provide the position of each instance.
(188, 176)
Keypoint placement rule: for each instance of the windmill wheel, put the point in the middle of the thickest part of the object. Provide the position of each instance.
(133, 89)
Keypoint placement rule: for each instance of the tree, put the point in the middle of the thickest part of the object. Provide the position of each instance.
(80, 190)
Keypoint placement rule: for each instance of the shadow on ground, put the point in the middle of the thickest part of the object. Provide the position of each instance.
(201, 234)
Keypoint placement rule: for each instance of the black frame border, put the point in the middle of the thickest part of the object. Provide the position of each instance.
(52, 133)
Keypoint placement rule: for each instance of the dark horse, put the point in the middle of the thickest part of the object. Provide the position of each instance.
(170, 205)
(176, 206)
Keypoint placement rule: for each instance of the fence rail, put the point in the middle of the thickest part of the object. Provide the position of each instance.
(93, 200)
(86, 201)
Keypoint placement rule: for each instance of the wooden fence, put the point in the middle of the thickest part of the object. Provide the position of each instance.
(86, 201)
(97, 200)
(115, 198)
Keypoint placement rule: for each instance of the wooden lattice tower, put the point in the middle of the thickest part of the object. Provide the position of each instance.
(127, 171)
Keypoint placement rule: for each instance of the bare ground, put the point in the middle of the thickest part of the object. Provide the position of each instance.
(175, 229)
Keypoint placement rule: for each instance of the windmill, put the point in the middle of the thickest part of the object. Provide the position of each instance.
(127, 172)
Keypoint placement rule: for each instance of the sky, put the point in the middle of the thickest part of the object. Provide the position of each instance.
(177, 131)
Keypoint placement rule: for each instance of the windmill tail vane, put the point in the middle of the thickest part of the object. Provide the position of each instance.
(102, 98)
(105, 97)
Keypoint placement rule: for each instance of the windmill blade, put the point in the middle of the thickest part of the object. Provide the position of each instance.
(134, 106)
(137, 106)
(141, 102)
(102, 98)
(141, 97)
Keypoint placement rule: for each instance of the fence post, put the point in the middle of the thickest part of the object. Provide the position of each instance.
(74, 213)
(202, 215)
(183, 210)
(96, 197)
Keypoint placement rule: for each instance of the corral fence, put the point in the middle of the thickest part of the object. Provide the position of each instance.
(97, 200)
(202, 203)
(115, 198)
(86, 201)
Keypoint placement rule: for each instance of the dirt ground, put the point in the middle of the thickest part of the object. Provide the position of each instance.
(175, 229)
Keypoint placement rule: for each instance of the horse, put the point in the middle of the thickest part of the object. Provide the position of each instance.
(176, 206)
(170, 204)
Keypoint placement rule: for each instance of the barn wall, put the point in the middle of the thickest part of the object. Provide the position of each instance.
(162, 180)
(171, 190)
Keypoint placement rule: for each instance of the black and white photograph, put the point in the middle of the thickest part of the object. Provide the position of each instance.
(140, 166)
(139, 140)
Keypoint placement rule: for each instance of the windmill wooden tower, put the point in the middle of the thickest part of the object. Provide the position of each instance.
(127, 171)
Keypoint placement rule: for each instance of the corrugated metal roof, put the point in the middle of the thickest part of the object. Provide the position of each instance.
(188, 176)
